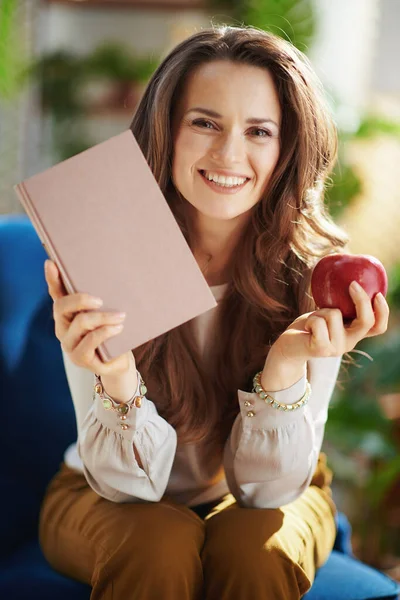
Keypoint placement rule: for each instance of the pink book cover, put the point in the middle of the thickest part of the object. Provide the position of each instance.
(104, 221)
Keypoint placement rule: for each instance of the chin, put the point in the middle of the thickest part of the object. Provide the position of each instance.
(218, 215)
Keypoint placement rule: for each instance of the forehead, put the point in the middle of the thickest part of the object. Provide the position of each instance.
(226, 86)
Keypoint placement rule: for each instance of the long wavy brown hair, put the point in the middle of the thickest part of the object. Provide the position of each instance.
(289, 230)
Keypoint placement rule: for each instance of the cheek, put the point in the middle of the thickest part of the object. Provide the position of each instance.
(267, 161)
(188, 152)
(190, 148)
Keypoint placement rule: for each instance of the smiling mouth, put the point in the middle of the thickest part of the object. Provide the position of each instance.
(222, 186)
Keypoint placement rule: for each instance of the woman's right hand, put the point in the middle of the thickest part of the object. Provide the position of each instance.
(81, 328)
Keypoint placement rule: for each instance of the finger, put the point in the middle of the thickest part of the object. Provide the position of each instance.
(84, 322)
(382, 312)
(336, 331)
(53, 279)
(365, 318)
(65, 308)
(319, 343)
(299, 323)
(85, 352)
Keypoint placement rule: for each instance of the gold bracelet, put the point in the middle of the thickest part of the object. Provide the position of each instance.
(259, 390)
(122, 408)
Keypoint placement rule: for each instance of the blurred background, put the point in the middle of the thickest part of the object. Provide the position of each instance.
(71, 74)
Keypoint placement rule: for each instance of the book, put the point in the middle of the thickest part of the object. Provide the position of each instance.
(104, 221)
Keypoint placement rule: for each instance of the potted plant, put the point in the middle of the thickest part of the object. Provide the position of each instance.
(110, 79)
(115, 77)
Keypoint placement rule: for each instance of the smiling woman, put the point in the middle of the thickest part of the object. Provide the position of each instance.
(236, 130)
(228, 146)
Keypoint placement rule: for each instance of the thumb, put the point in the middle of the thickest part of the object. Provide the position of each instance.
(53, 279)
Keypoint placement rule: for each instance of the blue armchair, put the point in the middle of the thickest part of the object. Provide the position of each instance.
(33, 386)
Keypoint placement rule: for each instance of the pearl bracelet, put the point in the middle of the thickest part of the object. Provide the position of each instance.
(259, 390)
(122, 408)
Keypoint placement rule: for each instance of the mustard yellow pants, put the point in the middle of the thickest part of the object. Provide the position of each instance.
(167, 551)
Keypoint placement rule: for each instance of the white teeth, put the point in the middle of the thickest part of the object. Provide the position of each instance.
(224, 181)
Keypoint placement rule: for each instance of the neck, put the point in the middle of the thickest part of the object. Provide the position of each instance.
(214, 246)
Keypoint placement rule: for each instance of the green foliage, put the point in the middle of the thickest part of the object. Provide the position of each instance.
(59, 74)
(111, 61)
(344, 187)
(145, 67)
(356, 421)
(382, 479)
(11, 61)
(346, 184)
(72, 145)
(114, 62)
(293, 20)
(374, 125)
(393, 295)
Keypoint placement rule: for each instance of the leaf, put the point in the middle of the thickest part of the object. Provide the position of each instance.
(393, 295)
(382, 479)
(293, 20)
(374, 125)
(11, 63)
(345, 186)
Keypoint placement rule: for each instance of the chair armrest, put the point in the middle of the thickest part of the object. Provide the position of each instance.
(19, 509)
(343, 536)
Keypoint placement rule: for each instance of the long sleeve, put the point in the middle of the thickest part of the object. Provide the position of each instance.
(106, 451)
(270, 458)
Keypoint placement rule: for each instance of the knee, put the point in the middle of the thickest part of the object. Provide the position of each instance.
(262, 573)
(245, 560)
(254, 568)
(160, 543)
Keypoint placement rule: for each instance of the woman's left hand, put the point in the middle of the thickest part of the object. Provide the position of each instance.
(322, 333)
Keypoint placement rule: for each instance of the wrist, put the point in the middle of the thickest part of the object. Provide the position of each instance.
(279, 372)
(121, 388)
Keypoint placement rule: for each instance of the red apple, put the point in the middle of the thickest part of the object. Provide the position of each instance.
(333, 274)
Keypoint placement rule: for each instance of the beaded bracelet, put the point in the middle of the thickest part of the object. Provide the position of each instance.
(122, 408)
(259, 390)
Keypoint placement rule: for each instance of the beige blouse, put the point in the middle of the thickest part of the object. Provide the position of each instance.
(269, 459)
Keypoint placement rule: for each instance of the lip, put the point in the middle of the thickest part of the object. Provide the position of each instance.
(222, 190)
(224, 172)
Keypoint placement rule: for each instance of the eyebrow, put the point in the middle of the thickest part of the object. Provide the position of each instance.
(215, 115)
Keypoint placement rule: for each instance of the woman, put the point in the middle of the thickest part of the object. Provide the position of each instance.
(200, 486)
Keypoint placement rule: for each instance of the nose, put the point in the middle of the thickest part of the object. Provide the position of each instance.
(229, 148)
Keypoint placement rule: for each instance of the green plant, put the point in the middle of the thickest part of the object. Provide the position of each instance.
(62, 76)
(374, 125)
(115, 63)
(11, 60)
(293, 20)
(145, 67)
(111, 61)
(346, 184)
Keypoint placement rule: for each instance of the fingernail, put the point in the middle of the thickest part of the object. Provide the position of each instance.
(118, 316)
(380, 297)
(355, 286)
(97, 301)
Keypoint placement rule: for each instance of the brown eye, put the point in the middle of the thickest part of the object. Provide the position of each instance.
(264, 132)
(202, 122)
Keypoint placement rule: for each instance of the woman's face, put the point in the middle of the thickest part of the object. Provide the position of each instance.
(226, 125)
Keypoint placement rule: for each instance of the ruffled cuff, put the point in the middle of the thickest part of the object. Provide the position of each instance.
(124, 418)
(257, 414)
